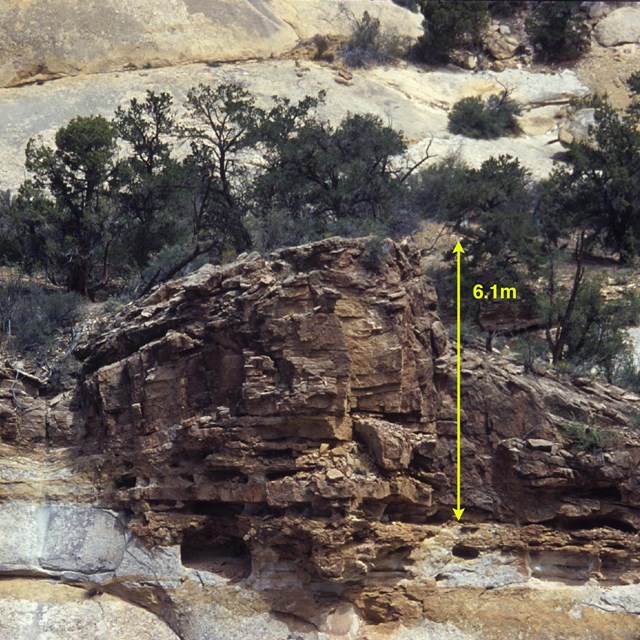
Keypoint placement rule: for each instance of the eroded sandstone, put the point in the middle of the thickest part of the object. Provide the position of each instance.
(286, 428)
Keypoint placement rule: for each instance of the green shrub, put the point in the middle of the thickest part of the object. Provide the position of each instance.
(474, 118)
(172, 261)
(531, 350)
(277, 229)
(321, 44)
(589, 438)
(584, 328)
(370, 44)
(559, 31)
(449, 26)
(442, 188)
(633, 83)
(626, 373)
(502, 9)
(412, 5)
(32, 317)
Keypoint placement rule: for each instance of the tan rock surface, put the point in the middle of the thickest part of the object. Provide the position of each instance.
(50, 38)
(31, 609)
(413, 100)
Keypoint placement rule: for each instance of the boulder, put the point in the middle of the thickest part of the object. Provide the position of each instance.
(619, 27)
(390, 445)
(501, 45)
(32, 609)
(576, 129)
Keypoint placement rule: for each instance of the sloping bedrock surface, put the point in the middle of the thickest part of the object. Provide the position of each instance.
(53, 38)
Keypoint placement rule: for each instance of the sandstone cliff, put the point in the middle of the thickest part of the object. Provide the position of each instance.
(280, 434)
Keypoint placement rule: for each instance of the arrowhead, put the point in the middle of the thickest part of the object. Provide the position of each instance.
(458, 513)
(458, 248)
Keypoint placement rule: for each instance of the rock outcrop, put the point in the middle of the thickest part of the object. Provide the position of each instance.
(50, 39)
(281, 435)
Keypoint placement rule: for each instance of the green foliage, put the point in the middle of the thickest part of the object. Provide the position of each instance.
(324, 180)
(589, 438)
(30, 317)
(369, 43)
(147, 176)
(450, 26)
(592, 335)
(222, 125)
(626, 373)
(172, 261)
(9, 242)
(412, 5)
(440, 189)
(531, 350)
(66, 208)
(277, 228)
(633, 110)
(559, 31)
(111, 207)
(633, 82)
(322, 46)
(492, 215)
(490, 210)
(502, 9)
(474, 118)
(600, 192)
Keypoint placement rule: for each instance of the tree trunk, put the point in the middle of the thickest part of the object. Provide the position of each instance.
(78, 276)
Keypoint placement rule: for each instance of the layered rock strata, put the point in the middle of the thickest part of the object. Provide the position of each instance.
(281, 435)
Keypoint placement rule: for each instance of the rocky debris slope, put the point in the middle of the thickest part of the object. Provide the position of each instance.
(281, 434)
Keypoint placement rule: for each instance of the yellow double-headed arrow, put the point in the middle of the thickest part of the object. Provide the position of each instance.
(458, 511)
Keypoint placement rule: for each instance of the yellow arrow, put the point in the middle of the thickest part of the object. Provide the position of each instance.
(458, 511)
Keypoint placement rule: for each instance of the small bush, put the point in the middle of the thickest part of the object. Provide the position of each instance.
(559, 31)
(277, 229)
(412, 5)
(626, 373)
(369, 44)
(531, 350)
(163, 263)
(502, 9)
(633, 83)
(449, 26)
(442, 188)
(474, 118)
(321, 44)
(589, 438)
(31, 317)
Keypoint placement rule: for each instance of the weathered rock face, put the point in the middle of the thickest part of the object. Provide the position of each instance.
(298, 415)
(49, 39)
(287, 429)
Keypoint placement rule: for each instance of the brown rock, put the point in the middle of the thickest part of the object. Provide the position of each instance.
(298, 414)
(390, 444)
